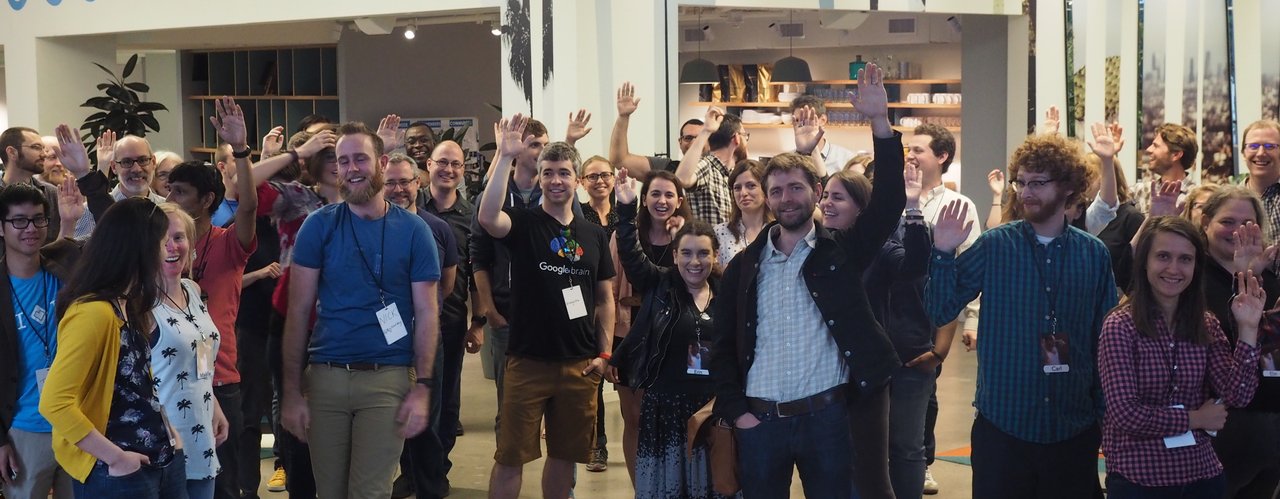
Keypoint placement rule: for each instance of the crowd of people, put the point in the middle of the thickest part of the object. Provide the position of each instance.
(157, 311)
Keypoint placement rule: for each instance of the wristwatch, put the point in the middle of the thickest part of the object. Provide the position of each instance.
(429, 382)
(242, 154)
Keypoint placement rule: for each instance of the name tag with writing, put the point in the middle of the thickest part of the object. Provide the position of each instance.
(392, 325)
(574, 303)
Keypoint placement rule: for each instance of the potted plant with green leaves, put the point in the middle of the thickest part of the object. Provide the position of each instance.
(120, 109)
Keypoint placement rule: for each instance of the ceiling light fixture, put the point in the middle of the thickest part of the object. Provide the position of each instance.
(410, 32)
(699, 71)
(791, 69)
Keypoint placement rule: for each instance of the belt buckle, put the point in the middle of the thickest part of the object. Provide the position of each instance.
(777, 409)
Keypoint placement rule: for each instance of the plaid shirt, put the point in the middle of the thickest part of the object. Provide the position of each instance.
(1004, 264)
(1271, 201)
(1141, 192)
(796, 356)
(711, 199)
(1143, 377)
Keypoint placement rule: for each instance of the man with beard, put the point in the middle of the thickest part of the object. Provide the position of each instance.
(706, 178)
(54, 172)
(1036, 434)
(133, 164)
(1172, 155)
(561, 322)
(24, 157)
(800, 338)
(1261, 150)
(419, 141)
(377, 330)
(638, 166)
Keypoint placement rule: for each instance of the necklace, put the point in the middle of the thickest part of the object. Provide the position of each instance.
(186, 311)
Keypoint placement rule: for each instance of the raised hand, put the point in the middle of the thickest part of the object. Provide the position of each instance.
(1117, 135)
(1103, 143)
(106, 148)
(995, 180)
(70, 202)
(577, 126)
(872, 99)
(390, 132)
(1249, 251)
(915, 184)
(1051, 120)
(712, 119)
(624, 189)
(229, 122)
(1248, 302)
(808, 131)
(627, 100)
(273, 142)
(1164, 199)
(72, 153)
(952, 227)
(318, 142)
(509, 134)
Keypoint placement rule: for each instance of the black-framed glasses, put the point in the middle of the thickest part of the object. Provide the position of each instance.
(686, 138)
(20, 223)
(454, 164)
(596, 177)
(1021, 185)
(1254, 146)
(129, 163)
(402, 183)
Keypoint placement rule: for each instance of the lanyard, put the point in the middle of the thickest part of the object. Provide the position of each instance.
(382, 254)
(1042, 272)
(41, 333)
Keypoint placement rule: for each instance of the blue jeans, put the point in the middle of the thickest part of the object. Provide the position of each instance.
(201, 489)
(817, 444)
(168, 482)
(909, 393)
(1118, 487)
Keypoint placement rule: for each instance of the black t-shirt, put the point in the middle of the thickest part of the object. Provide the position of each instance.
(546, 258)
(685, 366)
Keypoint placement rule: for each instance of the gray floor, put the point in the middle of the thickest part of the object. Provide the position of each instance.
(473, 455)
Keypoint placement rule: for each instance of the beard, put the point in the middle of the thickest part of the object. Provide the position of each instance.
(793, 221)
(1045, 210)
(372, 186)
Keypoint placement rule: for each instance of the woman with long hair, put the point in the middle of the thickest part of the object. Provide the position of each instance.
(749, 214)
(667, 352)
(184, 346)
(664, 211)
(109, 430)
(1168, 370)
(1249, 443)
(895, 286)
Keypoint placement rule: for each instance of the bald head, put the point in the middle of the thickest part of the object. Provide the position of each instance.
(444, 171)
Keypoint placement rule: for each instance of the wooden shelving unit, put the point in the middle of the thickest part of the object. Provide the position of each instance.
(274, 87)
(833, 105)
(905, 129)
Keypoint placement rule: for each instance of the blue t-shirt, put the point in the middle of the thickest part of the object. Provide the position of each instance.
(33, 313)
(225, 212)
(352, 254)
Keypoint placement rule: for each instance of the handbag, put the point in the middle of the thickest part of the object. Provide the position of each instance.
(722, 448)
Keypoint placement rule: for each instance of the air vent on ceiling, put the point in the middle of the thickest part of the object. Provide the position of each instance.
(902, 25)
(694, 35)
(791, 30)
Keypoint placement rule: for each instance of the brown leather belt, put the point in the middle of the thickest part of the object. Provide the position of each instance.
(798, 407)
(354, 366)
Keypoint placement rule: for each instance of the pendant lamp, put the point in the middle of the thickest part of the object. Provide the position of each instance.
(791, 69)
(699, 71)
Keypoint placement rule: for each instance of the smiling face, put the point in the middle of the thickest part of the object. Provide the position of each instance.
(54, 171)
(446, 166)
(695, 258)
(597, 178)
(1171, 264)
(1220, 230)
(1042, 203)
(26, 241)
(134, 164)
(839, 210)
(418, 142)
(792, 198)
(359, 169)
(748, 193)
(1261, 162)
(160, 184)
(401, 185)
(558, 181)
(661, 200)
(920, 154)
(1160, 156)
(175, 248)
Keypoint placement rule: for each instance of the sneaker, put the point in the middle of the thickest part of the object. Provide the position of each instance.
(402, 487)
(599, 460)
(277, 482)
(930, 485)
(459, 431)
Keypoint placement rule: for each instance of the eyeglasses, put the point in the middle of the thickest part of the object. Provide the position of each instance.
(20, 223)
(129, 163)
(686, 138)
(597, 177)
(1254, 146)
(746, 136)
(442, 164)
(402, 183)
(35, 147)
(1031, 185)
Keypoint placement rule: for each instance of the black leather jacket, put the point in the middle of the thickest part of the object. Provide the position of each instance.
(833, 274)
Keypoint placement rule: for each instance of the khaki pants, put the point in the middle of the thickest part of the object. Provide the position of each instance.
(355, 440)
(38, 471)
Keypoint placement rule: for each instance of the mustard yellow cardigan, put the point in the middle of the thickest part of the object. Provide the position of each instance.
(77, 395)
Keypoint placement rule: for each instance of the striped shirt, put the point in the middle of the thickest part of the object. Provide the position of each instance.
(1006, 265)
(796, 356)
(710, 198)
(1143, 378)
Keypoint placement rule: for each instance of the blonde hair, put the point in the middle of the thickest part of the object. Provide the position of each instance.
(188, 225)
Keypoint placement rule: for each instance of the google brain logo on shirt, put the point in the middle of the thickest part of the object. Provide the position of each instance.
(566, 248)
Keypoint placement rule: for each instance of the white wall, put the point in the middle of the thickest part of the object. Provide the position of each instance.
(66, 78)
(162, 72)
(4, 102)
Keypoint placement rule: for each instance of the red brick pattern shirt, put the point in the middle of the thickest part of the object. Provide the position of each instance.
(1143, 377)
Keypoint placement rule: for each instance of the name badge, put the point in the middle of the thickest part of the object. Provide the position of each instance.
(204, 359)
(1183, 440)
(392, 325)
(697, 359)
(1055, 353)
(574, 303)
(41, 376)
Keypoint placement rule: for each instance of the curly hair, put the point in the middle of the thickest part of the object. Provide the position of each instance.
(1057, 156)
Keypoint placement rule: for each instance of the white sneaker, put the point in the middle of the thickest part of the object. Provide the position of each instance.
(930, 485)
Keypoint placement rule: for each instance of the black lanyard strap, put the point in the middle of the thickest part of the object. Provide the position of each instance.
(382, 254)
